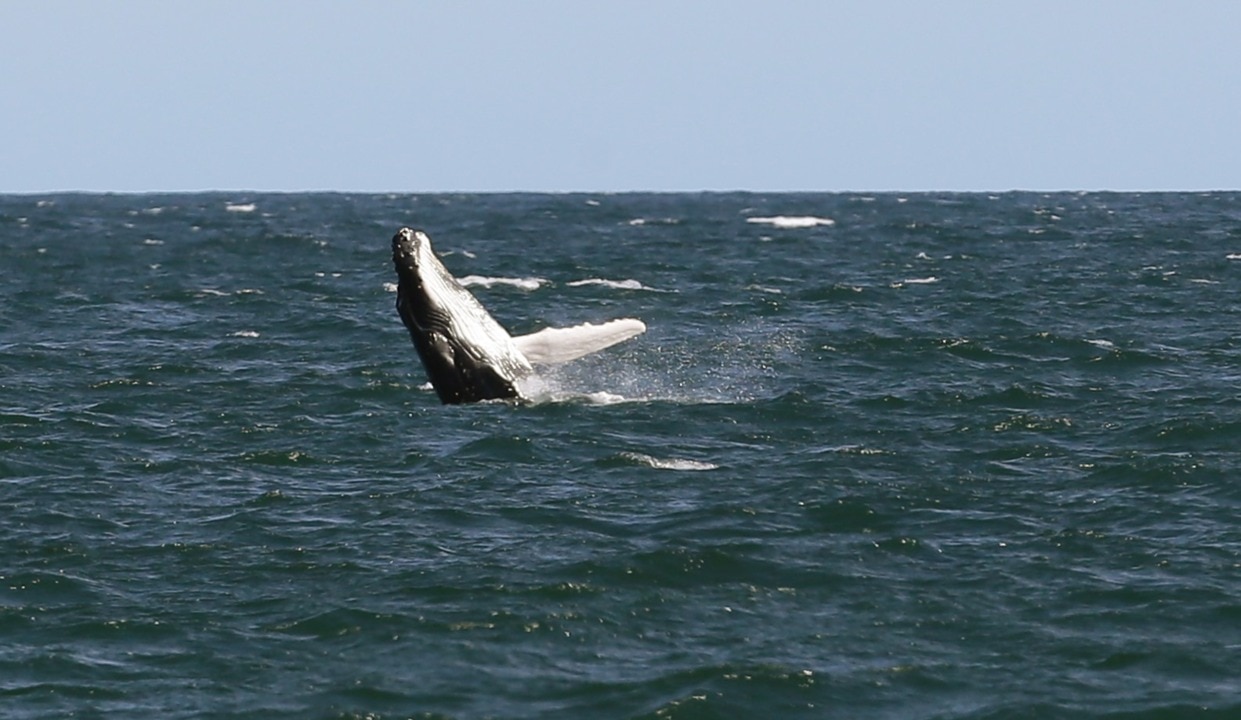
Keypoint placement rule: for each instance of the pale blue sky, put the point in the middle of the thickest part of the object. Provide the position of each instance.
(153, 95)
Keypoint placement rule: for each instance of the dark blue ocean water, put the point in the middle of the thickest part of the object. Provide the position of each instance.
(932, 456)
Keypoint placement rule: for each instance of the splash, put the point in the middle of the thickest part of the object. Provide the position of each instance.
(727, 370)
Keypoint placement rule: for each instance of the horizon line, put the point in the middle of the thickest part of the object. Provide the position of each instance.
(701, 191)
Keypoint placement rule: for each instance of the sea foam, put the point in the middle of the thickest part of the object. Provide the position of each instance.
(629, 284)
(529, 283)
(788, 222)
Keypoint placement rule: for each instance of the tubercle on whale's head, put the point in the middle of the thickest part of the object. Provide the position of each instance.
(406, 245)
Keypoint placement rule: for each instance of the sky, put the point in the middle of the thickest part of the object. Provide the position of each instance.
(628, 95)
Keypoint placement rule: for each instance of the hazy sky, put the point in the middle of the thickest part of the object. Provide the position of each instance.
(623, 95)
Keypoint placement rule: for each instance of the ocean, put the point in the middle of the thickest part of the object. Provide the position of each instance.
(925, 456)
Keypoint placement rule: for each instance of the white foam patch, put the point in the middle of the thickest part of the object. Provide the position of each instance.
(637, 222)
(668, 463)
(530, 283)
(789, 222)
(244, 334)
(240, 207)
(390, 287)
(915, 281)
(212, 292)
(1233, 256)
(629, 284)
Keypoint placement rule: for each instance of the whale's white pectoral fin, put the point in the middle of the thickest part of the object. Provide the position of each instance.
(550, 346)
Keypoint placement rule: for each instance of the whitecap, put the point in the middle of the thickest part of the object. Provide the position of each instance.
(212, 292)
(668, 463)
(240, 207)
(1233, 256)
(629, 284)
(389, 287)
(244, 334)
(792, 221)
(531, 283)
(1105, 344)
(915, 281)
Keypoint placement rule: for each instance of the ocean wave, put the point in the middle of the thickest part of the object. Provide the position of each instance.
(790, 222)
(212, 292)
(916, 281)
(629, 284)
(528, 283)
(668, 463)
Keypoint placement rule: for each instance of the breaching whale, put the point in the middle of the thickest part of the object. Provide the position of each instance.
(468, 356)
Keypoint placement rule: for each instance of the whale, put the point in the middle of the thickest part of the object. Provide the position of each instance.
(468, 356)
